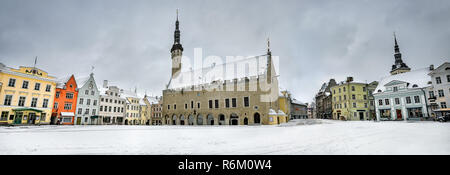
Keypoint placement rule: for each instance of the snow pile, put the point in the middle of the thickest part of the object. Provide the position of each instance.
(296, 122)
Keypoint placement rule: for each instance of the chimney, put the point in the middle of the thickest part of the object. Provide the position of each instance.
(105, 83)
(431, 67)
(349, 79)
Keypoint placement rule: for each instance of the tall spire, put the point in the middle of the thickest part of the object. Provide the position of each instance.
(399, 66)
(176, 42)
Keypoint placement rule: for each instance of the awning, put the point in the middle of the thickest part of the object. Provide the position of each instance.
(67, 114)
(27, 109)
(94, 116)
(443, 110)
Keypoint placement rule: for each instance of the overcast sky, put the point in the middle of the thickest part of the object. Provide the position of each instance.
(129, 42)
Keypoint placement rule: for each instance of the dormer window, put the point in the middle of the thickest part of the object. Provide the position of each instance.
(395, 89)
(415, 85)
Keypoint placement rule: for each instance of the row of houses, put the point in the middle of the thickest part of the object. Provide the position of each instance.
(421, 94)
(32, 96)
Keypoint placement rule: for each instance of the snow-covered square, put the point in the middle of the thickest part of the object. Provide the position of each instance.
(298, 137)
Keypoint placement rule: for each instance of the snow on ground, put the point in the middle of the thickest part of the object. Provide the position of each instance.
(295, 137)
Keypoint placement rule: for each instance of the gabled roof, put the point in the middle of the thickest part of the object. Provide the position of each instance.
(417, 77)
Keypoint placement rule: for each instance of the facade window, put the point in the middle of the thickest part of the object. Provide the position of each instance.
(438, 80)
(397, 101)
(345, 105)
(246, 102)
(339, 90)
(408, 100)
(21, 101)
(386, 101)
(55, 106)
(12, 82)
(365, 97)
(354, 105)
(364, 89)
(345, 97)
(109, 109)
(227, 103)
(431, 93)
(25, 84)
(8, 99)
(192, 104)
(443, 105)
(168, 106)
(4, 115)
(69, 95)
(198, 105)
(174, 106)
(210, 104)
(45, 103)
(93, 111)
(380, 102)
(37, 86)
(216, 104)
(67, 106)
(57, 94)
(448, 78)
(92, 92)
(114, 109)
(86, 112)
(81, 101)
(80, 111)
(365, 105)
(102, 99)
(86, 92)
(441, 93)
(344, 89)
(88, 102)
(353, 97)
(34, 102)
(395, 89)
(416, 99)
(340, 98)
(95, 103)
(233, 102)
(353, 88)
(101, 108)
(48, 88)
(185, 106)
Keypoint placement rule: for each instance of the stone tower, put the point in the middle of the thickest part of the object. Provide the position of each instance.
(399, 66)
(177, 51)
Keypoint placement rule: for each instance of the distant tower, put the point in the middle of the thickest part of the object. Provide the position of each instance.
(269, 63)
(399, 66)
(177, 50)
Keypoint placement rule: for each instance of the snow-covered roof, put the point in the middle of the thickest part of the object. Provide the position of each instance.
(81, 80)
(281, 113)
(60, 82)
(417, 77)
(247, 67)
(152, 100)
(272, 112)
(129, 94)
(141, 101)
(295, 101)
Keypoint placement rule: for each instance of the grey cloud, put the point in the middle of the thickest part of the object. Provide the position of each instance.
(128, 42)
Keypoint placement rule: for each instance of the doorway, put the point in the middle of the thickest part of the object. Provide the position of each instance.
(245, 121)
(361, 115)
(399, 114)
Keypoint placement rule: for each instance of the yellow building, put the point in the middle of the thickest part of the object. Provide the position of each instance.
(132, 107)
(350, 101)
(26, 94)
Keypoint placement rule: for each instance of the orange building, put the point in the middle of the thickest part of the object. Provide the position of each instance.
(65, 101)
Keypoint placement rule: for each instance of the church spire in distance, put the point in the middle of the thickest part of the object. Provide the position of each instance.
(399, 66)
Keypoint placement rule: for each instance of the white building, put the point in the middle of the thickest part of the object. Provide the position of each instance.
(87, 101)
(439, 92)
(112, 105)
(402, 96)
